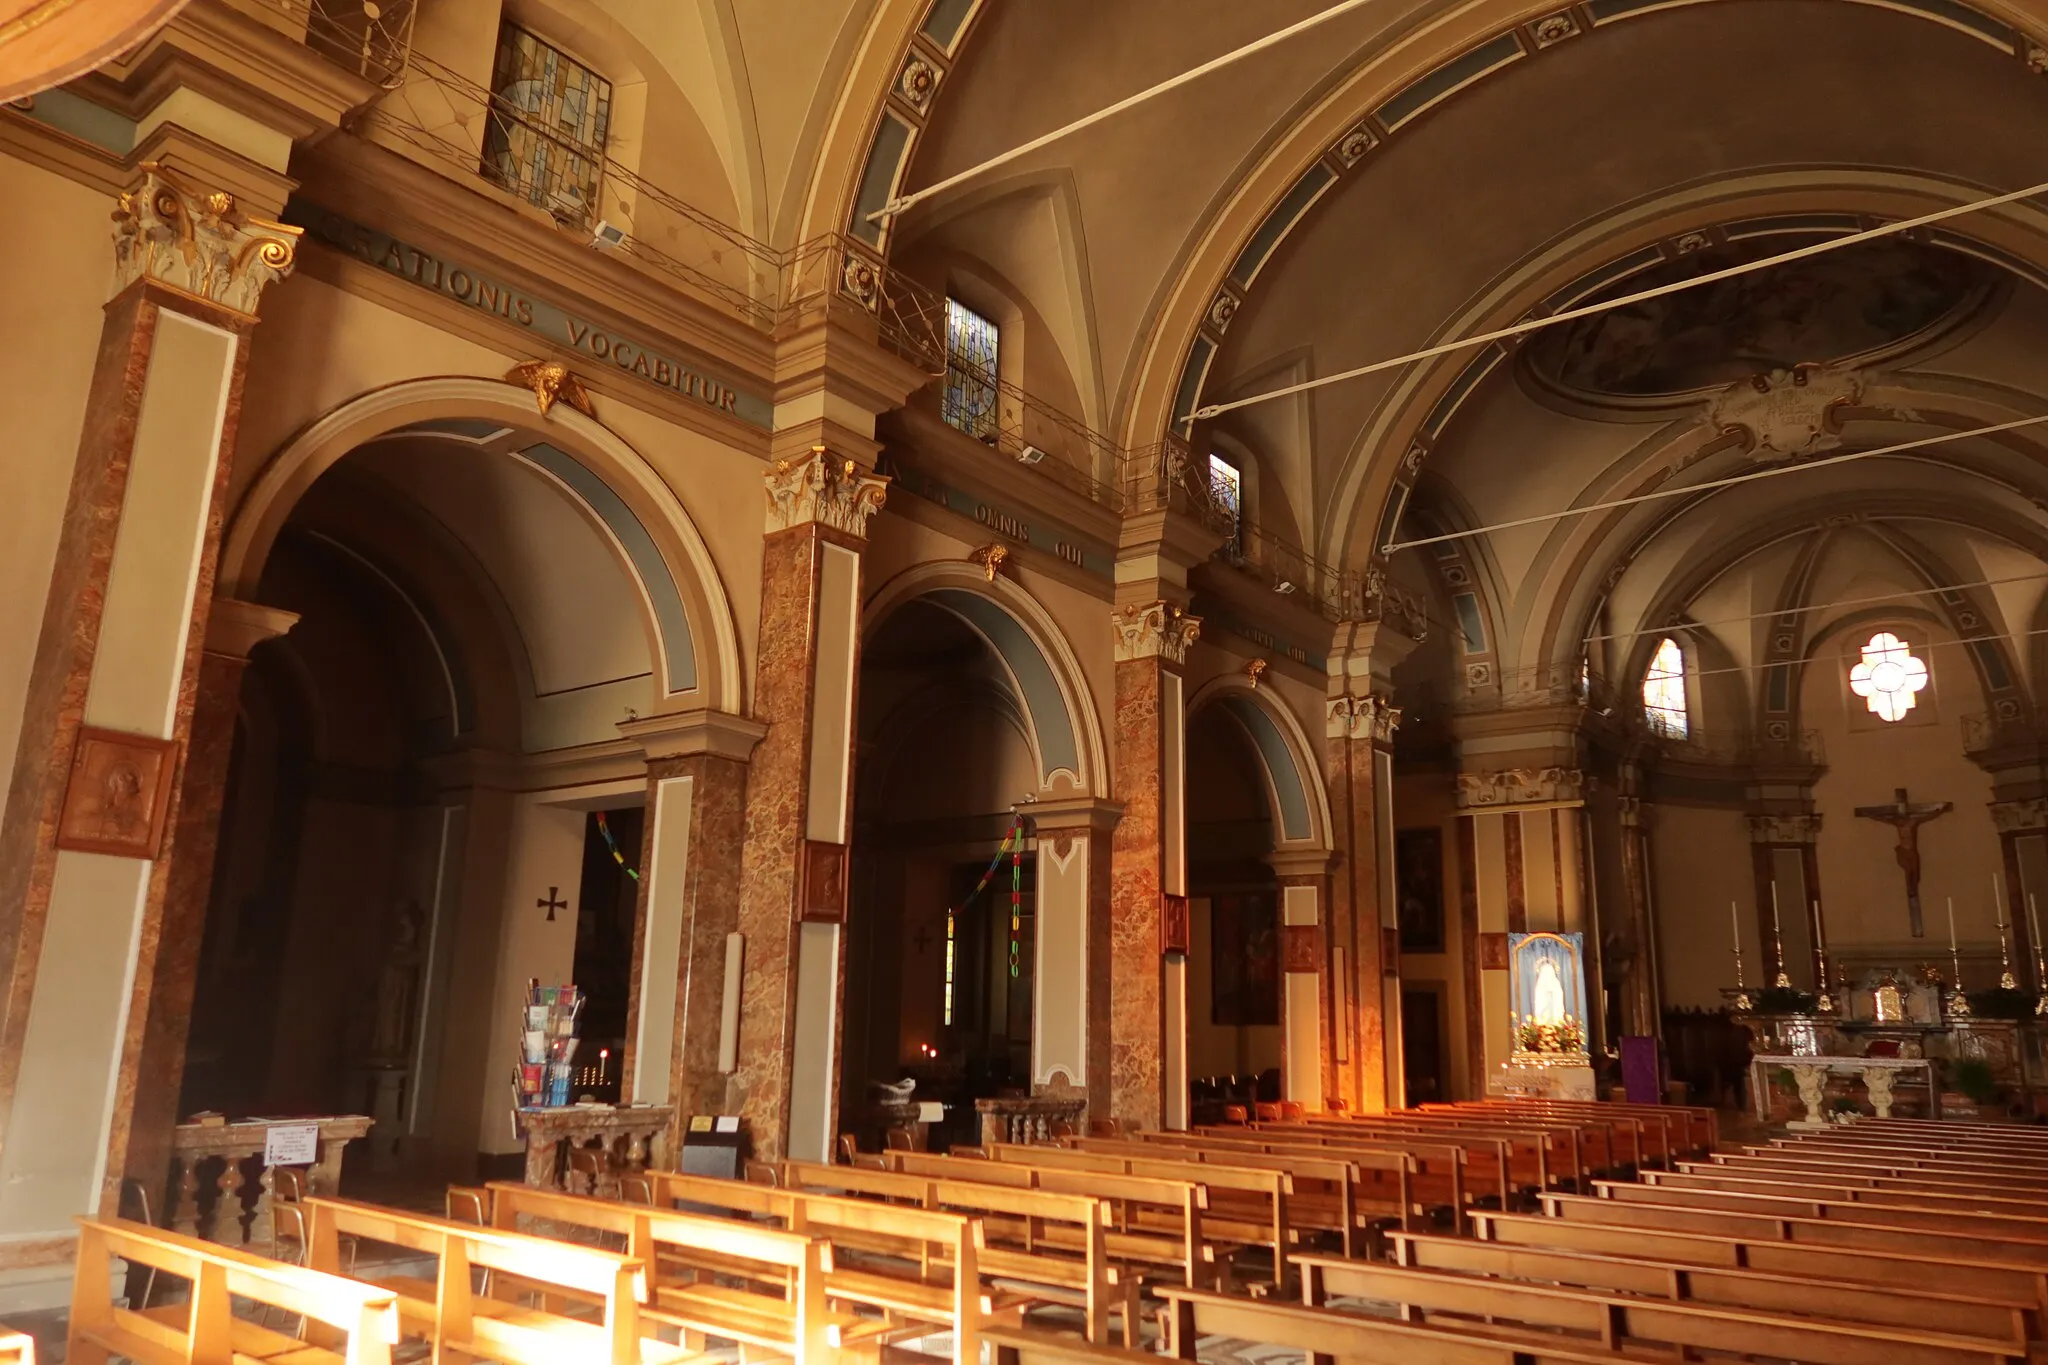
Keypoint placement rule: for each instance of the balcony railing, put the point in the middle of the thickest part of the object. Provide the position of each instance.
(1985, 733)
(371, 38)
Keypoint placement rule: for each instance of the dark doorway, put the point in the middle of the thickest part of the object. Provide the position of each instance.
(1422, 1042)
(607, 908)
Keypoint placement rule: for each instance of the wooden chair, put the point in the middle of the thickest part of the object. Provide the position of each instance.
(360, 1319)
(1236, 1113)
(848, 1148)
(899, 1140)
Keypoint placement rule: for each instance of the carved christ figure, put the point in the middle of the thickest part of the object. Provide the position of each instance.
(1906, 817)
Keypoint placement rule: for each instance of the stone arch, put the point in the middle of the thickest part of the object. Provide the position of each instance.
(687, 616)
(1295, 791)
(1044, 673)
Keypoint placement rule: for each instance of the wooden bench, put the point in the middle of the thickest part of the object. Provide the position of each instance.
(1023, 1346)
(16, 1348)
(1813, 1231)
(1860, 1189)
(1888, 1267)
(1618, 1321)
(452, 1316)
(1931, 1214)
(1451, 1170)
(1321, 1334)
(1056, 1246)
(361, 1320)
(783, 1312)
(1972, 1314)
(915, 1265)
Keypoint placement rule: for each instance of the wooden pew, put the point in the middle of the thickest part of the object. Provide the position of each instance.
(1348, 1194)
(1238, 1206)
(1815, 1231)
(1973, 1314)
(205, 1331)
(1537, 1158)
(1023, 1346)
(449, 1313)
(1622, 1321)
(16, 1348)
(1451, 1170)
(1922, 1268)
(1860, 1189)
(1860, 1164)
(1058, 1244)
(1930, 1214)
(1321, 1333)
(915, 1265)
(1693, 1129)
(790, 1318)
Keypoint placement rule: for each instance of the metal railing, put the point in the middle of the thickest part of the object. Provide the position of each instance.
(370, 38)
(1984, 732)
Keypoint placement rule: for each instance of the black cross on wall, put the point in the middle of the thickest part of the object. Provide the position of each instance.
(552, 902)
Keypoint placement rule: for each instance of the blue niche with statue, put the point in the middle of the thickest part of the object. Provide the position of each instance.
(1547, 994)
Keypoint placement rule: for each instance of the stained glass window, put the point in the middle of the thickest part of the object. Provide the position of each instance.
(548, 121)
(1664, 690)
(1888, 677)
(970, 399)
(1226, 489)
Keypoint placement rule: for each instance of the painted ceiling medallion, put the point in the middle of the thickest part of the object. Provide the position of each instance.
(1889, 678)
(1847, 308)
(1223, 310)
(1554, 28)
(1787, 413)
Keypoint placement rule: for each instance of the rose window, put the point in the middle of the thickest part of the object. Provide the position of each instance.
(1889, 677)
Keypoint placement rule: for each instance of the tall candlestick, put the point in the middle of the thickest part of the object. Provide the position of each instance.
(1951, 925)
(2040, 959)
(2006, 980)
(1958, 1003)
(1735, 927)
(1783, 981)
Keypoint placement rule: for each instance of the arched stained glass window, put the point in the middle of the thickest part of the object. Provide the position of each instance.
(1664, 690)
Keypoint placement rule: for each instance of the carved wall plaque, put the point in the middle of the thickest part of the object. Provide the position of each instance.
(119, 794)
(824, 883)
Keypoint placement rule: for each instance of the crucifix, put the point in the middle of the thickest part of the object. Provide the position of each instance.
(553, 901)
(1906, 818)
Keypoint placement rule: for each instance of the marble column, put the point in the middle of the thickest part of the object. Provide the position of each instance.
(1358, 764)
(1148, 930)
(1641, 998)
(689, 908)
(793, 862)
(91, 830)
(232, 630)
(1070, 1035)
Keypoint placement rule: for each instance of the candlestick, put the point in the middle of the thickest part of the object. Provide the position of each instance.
(2006, 981)
(1735, 928)
(1958, 1003)
(1741, 1001)
(1783, 982)
(2040, 962)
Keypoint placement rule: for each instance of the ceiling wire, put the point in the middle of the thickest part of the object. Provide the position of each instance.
(1593, 309)
(896, 206)
(1814, 606)
(1685, 490)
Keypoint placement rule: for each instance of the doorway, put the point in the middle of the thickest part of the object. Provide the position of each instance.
(1422, 1041)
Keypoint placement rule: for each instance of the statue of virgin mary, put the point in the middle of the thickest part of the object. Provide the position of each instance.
(1548, 1005)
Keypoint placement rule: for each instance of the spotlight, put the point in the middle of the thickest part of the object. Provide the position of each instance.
(606, 235)
(1030, 455)
(1283, 587)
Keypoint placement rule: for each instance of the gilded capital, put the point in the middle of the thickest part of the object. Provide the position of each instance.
(197, 243)
(1367, 716)
(1520, 787)
(2014, 817)
(1795, 828)
(1154, 630)
(824, 489)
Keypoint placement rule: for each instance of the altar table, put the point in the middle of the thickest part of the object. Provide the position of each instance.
(1811, 1073)
(231, 1215)
(622, 1138)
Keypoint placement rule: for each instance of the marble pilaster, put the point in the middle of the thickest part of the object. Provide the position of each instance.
(233, 630)
(120, 651)
(1308, 1009)
(1359, 734)
(793, 860)
(1071, 1044)
(700, 757)
(1147, 860)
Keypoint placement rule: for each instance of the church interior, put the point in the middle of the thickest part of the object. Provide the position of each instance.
(895, 678)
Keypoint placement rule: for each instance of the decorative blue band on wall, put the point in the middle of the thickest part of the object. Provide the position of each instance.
(1289, 787)
(1058, 745)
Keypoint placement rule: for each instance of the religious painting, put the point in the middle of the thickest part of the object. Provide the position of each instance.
(1419, 889)
(824, 884)
(119, 794)
(1547, 992)
(1841, 305)
(1244, 953)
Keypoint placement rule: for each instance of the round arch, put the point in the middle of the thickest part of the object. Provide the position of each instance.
(1334, 140)
(1044, 673)
(657, 544)
(1294, 785)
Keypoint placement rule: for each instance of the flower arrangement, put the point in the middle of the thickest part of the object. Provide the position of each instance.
(1563, 1036)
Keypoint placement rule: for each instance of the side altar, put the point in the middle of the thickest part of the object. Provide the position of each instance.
(1547, 1001)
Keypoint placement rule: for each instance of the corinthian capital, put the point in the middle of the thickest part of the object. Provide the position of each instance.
(1154, 630)
(197, 243)
(822, 488)
(1367, 716)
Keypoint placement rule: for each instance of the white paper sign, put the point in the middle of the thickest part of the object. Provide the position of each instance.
(292, 1144)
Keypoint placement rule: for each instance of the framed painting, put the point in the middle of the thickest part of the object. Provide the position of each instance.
(118, 798)
(1419, 889)
(1244, 952)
